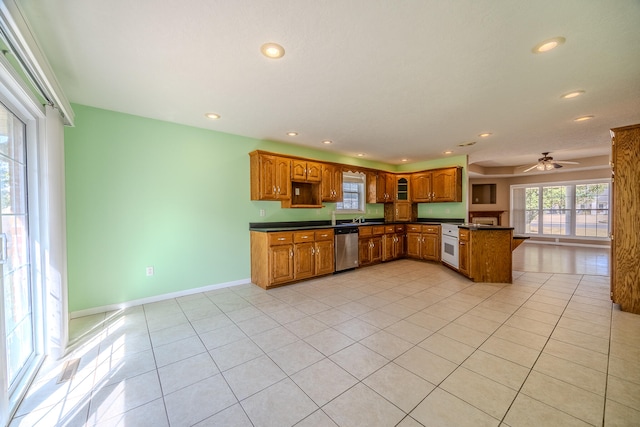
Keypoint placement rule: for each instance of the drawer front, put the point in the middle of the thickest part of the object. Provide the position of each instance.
(463, 234)
(413, 228)
(389, 229)
(365, 231)
(321, 235)
(431, 229)
(280, 238)
(303, 236)
(399, 228)
(378, 230)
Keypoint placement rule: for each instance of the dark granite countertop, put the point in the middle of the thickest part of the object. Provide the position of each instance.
(269, 227)
(483, 227)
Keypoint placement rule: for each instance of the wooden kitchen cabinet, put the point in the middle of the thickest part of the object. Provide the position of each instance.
(324, 252)
(464, 249)
(305, 171)
(423, 242)
(437, 186)
(400, 211)
(269, 176)
(446, 185)
(331, 183)
(370, 244)
(283, 257)
(421, 187)
(393, 243)
(625, 227)
(385, 187)
(488, 254)
(431, 244)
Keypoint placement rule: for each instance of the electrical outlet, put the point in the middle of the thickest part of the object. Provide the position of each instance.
(262, 212)
(149, 271)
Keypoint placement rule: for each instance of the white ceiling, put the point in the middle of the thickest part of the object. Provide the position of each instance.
(390, 79)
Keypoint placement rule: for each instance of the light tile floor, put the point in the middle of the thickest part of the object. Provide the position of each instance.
(405, 343)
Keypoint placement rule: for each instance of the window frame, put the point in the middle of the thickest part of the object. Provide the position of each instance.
(361, 180)
(517, 205)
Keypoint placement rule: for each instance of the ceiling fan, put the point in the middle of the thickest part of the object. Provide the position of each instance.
(546, 163)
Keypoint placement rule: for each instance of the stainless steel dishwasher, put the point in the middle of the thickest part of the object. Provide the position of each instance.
(346, 247)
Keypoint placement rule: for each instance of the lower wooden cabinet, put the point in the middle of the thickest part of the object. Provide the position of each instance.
(282, 257)
(464, 250)
(393, 242)
(281, 262)
(423, 242)
(485, 255)
(370, 245)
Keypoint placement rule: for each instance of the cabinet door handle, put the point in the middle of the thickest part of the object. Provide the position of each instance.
(313, 251)
(290, 253)
(317, 251)
(274, 189)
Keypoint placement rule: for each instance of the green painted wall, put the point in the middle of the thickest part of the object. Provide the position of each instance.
(143, 192)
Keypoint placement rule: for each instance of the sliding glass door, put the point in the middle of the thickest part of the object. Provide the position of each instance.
(17, 347)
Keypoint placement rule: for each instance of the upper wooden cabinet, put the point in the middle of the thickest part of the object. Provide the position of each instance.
(385, 187)
(331, 183)
(269, 177)
(421, 187)
(625, 227)
(437, 186)
(402, 186)
(302, 170)
(302, 183)
(446, 185)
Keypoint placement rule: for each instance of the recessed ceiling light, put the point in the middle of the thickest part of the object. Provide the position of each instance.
(292, 133)
(572, 94)
(212, 116)
(484, 135)
(272, 50)
(466, 144)
(326, 141)
(583, 118)
(405, 160)
(548, 45)
(447, 152)
(360, 154)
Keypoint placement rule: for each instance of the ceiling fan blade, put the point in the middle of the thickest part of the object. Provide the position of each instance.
(532, 167)
(567, 162)
(556, 165)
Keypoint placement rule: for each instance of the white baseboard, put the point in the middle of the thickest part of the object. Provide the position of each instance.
(133, 303)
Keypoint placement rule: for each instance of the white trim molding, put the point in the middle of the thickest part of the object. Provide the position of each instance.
(21, 39)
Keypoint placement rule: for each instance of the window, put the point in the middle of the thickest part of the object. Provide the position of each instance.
(562, 209)
(353, 195)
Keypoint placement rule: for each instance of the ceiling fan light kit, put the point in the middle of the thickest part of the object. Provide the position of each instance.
(546, 163)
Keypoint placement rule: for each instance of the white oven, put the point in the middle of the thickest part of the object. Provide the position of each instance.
(449, 253)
